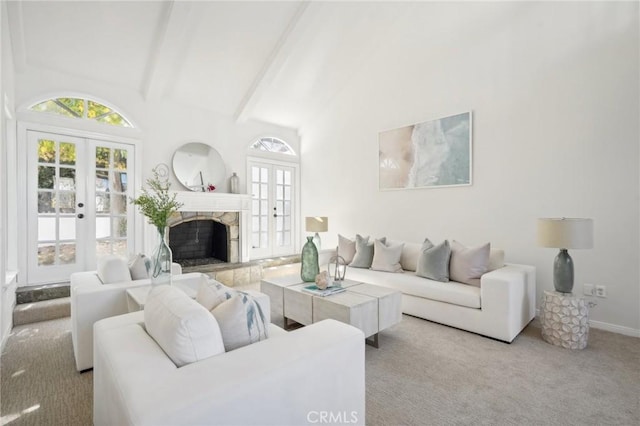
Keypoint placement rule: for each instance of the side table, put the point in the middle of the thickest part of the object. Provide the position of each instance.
(565, 320)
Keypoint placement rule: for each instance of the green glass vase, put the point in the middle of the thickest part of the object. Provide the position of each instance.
(310, 267)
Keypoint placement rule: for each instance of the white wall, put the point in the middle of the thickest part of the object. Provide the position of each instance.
(7, 191)
(555, 96)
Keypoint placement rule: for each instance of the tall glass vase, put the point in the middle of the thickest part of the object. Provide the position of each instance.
(310, 267)
(161, 260)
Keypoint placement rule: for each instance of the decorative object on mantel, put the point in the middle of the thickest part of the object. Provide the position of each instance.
(198, 165)
(309, 267)
(317, 224)
(234, 183)
(565, 320)
(323, 280)
(339, 266)
(433, 153)
(157, 205)
(565, 233)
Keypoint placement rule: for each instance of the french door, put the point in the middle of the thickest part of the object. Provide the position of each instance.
(77, 203)
(272, 189)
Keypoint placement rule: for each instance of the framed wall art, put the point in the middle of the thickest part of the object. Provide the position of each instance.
(436, 153)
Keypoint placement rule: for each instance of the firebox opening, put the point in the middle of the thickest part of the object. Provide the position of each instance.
(199, 242)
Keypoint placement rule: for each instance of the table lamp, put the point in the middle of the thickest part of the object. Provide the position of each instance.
(317, 224)
(565, 233)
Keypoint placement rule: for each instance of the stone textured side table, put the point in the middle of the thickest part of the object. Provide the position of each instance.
(565, 320)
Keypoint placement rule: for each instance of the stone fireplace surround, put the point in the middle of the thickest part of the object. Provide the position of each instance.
(232, 210)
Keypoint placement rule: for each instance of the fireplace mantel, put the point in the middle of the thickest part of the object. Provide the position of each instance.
(221, 202)
(213, 202)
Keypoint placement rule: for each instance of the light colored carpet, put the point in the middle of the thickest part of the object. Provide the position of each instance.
(423, 374)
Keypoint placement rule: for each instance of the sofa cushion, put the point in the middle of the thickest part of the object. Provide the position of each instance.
(434, 261)
(468, 263)
(139, 267)
(410, 284)
(241, 321)
(183, 328)
(113, 269)
(386, 257)
(364, 252)
(211, 293)
(346, 248)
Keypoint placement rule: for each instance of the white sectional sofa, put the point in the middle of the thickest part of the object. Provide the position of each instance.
(500, 308)
(300, 377)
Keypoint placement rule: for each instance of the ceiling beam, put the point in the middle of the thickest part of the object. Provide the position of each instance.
(272, 65)
(174, 32)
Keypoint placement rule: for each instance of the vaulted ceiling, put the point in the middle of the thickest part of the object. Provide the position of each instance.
(279, 62)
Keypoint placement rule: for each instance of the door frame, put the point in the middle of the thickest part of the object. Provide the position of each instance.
(296, 194)
(22, 198)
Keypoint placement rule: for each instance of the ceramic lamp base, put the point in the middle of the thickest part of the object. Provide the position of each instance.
(563, 272)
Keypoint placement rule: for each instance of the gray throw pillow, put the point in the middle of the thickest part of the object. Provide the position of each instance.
(433, 262)
(468, 263)
(364, 252)
(346, 248)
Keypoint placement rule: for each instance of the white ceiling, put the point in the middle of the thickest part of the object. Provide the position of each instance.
(278, 62)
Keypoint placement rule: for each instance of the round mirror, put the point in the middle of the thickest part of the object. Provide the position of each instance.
(197, 166)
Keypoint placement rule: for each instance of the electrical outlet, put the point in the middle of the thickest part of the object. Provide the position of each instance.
(587, 289)
(601, 291)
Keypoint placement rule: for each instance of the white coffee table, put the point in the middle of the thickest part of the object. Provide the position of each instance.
(370, 308)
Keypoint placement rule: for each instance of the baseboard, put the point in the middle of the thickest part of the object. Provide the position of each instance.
(614, 328)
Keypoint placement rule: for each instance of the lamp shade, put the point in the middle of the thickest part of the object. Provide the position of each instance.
(565, 233)
(317, 224)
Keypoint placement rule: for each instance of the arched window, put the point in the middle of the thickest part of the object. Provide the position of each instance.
(274, 145)
(84, 109)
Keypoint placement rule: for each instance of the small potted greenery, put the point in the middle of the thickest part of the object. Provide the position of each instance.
(157, 204)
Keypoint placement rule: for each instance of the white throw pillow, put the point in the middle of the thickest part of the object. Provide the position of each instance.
(468, 263)
(241, 321)
(139, 267)
(185, 330)
(211, 293)
(386, 257)
(113, 269)
(410, 255)
(346, 248)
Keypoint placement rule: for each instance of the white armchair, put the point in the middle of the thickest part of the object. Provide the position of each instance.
(313, 373)
(91, 300)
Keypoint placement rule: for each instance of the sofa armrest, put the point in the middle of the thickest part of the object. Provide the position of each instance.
(510, 292)
(283, 381)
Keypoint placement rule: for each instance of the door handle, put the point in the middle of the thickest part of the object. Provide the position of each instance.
(80, 215)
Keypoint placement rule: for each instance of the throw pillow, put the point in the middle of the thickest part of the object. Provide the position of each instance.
(139, 267)
(386, 257)
(433, 262)
(468, 264)
(113, 269)
(185, 330)
(241, 321)
(211, 293)
(364, 252)
(346, 248)
(410, 254)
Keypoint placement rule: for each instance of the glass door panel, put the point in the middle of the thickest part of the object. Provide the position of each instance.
(71, 224)
(272, 221)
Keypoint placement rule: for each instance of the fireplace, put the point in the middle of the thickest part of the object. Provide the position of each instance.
(203, 238)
